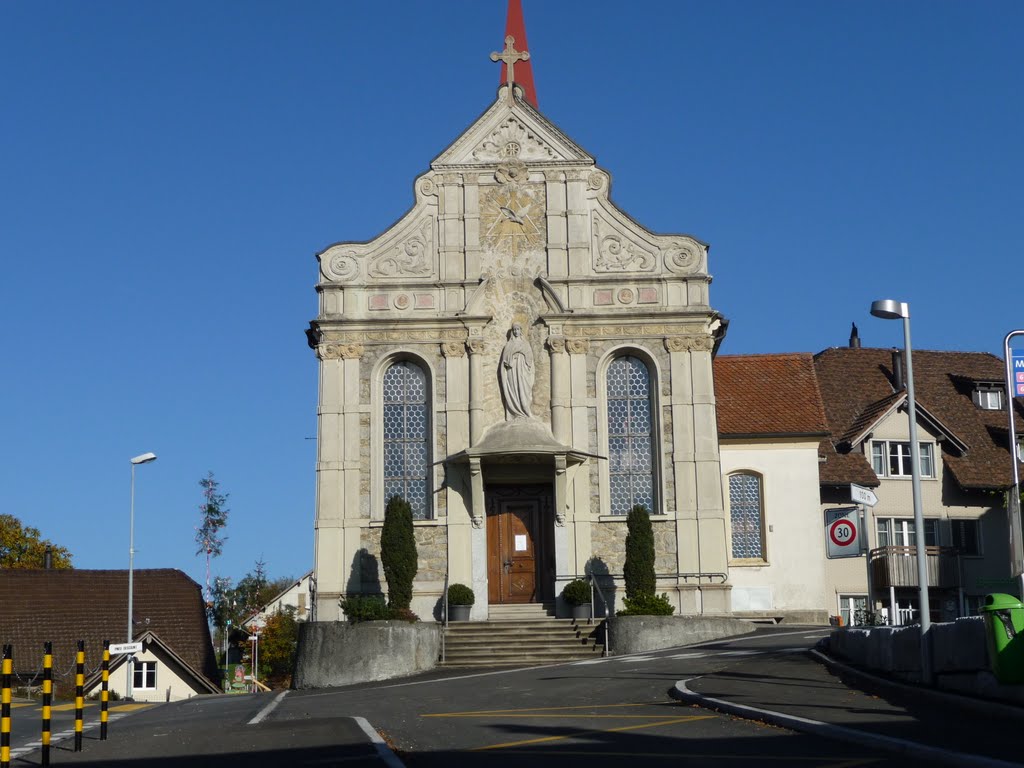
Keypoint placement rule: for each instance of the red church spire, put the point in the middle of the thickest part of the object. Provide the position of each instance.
(516, 27)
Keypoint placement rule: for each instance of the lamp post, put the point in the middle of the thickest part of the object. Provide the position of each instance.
(887, 309)
(143, 459)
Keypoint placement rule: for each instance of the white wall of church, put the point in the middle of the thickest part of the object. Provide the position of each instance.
(791, 575)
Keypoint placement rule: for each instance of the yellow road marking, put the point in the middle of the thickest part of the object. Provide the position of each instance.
(129, 707)
(674, 721)
(23, 704)
(539, 717)
(67, 707)
(536, 709)
(829, 761)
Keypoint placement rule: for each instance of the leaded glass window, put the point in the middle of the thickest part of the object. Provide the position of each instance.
(406, 432)
(745, 515)
(630, 447)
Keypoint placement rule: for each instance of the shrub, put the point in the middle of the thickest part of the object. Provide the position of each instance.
(639, 567)
(365, 608)
(398, 552)
(647, 605)
(460, 594)
(576, 592)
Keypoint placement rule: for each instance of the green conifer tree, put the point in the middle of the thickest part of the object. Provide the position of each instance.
(398, 553)
(639, 568)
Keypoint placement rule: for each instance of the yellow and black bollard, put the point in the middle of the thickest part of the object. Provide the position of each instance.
(5, 711)
(79, 696)
(47, 701)
(105, 690)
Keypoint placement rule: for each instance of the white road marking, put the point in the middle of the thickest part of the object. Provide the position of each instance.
(389, 758)
(698, 655)
(267, 709)
(741, 653)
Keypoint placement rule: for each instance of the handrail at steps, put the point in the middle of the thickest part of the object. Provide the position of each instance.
(607, 610)
(444, 615)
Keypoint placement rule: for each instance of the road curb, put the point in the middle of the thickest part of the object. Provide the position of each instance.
(681, 692)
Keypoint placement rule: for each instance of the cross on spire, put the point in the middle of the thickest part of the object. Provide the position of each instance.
(515, 29)
(510, 56)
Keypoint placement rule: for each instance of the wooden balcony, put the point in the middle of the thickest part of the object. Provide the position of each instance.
(897, 567)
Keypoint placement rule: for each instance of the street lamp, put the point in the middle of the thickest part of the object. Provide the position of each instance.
(887, 309)
(143, 459)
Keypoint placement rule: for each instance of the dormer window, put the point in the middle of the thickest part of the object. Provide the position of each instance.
(988, 397)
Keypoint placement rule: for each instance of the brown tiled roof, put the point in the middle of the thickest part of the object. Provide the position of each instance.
(856, 386)
(769, 395)
(64, 606)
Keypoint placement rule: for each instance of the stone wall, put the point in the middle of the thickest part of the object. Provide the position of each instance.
(637, 634)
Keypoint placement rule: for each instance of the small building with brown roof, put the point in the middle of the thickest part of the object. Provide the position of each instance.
(965, 466)
(66, 606)
(770, 423)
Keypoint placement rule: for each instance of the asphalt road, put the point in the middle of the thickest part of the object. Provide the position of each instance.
(597, 712)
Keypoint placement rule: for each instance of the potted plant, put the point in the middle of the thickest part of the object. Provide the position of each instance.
(577, 594)
(460, 600)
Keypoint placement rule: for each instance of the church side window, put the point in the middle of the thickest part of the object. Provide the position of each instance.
(406, 431)
(630, 448)
(746, 516)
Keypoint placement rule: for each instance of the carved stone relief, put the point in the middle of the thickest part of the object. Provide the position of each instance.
(578, 346)
(682, 256)
(512, 139)
(614, 252)
(689, 344)
(453, 349)
(410, 258)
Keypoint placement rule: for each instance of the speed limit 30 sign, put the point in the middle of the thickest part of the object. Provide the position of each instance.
(842, 532)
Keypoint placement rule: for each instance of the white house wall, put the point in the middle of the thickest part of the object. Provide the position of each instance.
(792, 578)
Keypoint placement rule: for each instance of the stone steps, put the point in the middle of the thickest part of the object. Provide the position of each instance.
(510, 642)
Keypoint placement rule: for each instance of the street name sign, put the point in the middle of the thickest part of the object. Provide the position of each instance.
(1018, 372)
(842, 532)
(862, 495)
(119, 648)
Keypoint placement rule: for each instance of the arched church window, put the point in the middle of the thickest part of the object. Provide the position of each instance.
(406, 434)
(631, 465)
(746, 513)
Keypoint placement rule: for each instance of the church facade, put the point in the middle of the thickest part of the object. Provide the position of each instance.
(522, 362)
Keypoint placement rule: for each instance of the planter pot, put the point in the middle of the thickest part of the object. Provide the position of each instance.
(581, 611)
(459, 612)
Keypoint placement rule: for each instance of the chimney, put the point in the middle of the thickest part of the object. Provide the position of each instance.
(48, 558)
(897, 370)
(854, 337)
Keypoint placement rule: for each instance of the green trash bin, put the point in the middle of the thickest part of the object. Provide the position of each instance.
(1004, 624)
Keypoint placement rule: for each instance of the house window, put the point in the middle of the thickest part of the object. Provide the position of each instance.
(989, 398)
(854, 610)
(144, 675)
(746, 515)
(899, 532)
(406, 431)
(891, 458)
(966, 536)
(630, 447)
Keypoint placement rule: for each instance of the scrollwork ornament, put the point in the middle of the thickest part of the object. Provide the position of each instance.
(682, 257)
(476, 346)
(676, 344)
(428, 188)
(702, 344)
(578, 346)
(342, 266)
(596, 180)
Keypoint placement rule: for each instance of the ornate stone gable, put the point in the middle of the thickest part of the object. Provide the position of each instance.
(517, 131)
(407, 250)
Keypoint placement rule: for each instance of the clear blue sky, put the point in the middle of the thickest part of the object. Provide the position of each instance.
(169, 170)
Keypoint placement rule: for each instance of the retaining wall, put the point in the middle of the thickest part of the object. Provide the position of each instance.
(334, 653)
(636, 634)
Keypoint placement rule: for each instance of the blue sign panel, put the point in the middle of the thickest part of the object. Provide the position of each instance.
(1017, 371)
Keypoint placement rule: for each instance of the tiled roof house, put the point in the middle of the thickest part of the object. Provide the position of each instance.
(65, 606)
(963, 431)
